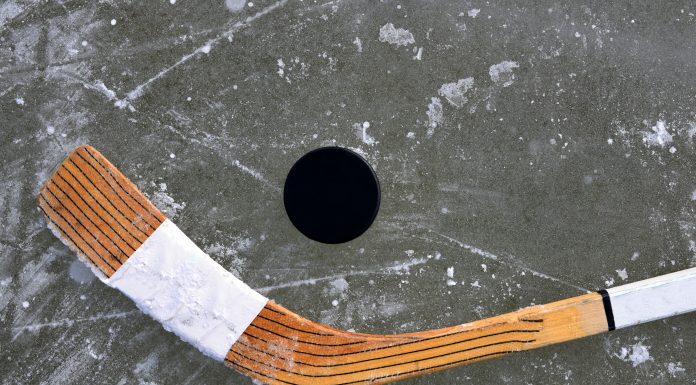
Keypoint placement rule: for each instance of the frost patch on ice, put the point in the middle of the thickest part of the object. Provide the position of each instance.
(434, 115)
(419, 53)
(19, 101)
(455, 93)
(622, 274)
(358, 44)
(396, 36)
(166, 203)
(659, 136)
(450, 277)
(281, 68)
(235, 5)
(502, 72)
(230, 254)
(338, 286)
(295, 69)
(674, 369)
(361, 132)
(473, 12)
(636, 354)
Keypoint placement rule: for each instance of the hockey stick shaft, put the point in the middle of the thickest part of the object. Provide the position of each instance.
(130, 244)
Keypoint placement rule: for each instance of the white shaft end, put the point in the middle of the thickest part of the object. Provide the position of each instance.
(654, 298)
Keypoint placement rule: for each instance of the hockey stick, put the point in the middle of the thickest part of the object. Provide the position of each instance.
(131, 246)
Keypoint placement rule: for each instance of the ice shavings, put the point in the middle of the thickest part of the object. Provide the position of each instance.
(358, 44)
(165, 202)
(396, 36)
(361, 132)
(622, 274)
(435, 116)
(450, 277)
(675, 369)
(636, 354)
(455, 92)
(658, 136)
(502, 72)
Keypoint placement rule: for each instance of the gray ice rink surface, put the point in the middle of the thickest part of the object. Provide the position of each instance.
(540, 149)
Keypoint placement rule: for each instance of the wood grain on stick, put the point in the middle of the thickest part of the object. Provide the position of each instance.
(101, 215)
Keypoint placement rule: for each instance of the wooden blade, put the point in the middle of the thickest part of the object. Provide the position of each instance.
(94, 209)
(104, 218)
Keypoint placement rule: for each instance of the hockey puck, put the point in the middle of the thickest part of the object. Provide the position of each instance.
(331, 195)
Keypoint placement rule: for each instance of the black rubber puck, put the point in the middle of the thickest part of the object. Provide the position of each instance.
(331, 195)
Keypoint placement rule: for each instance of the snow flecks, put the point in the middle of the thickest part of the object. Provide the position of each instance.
(338, 286)
(675, 369)
(281, 68)
(396, 36)
(622, 274)
(361, 132)
(235, 5)
(455, 92)
(503, 72)
(296, 69)
(450, 276)
(419, 53)
(19, 101)
(165, 202)
(609, 282)
(636, 354)
(228, 253)
(658, 136)
(473, 12)
(358, 44)
(435, 115)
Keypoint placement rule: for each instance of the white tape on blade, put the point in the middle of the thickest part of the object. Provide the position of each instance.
(179, 285)
(654, 298)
